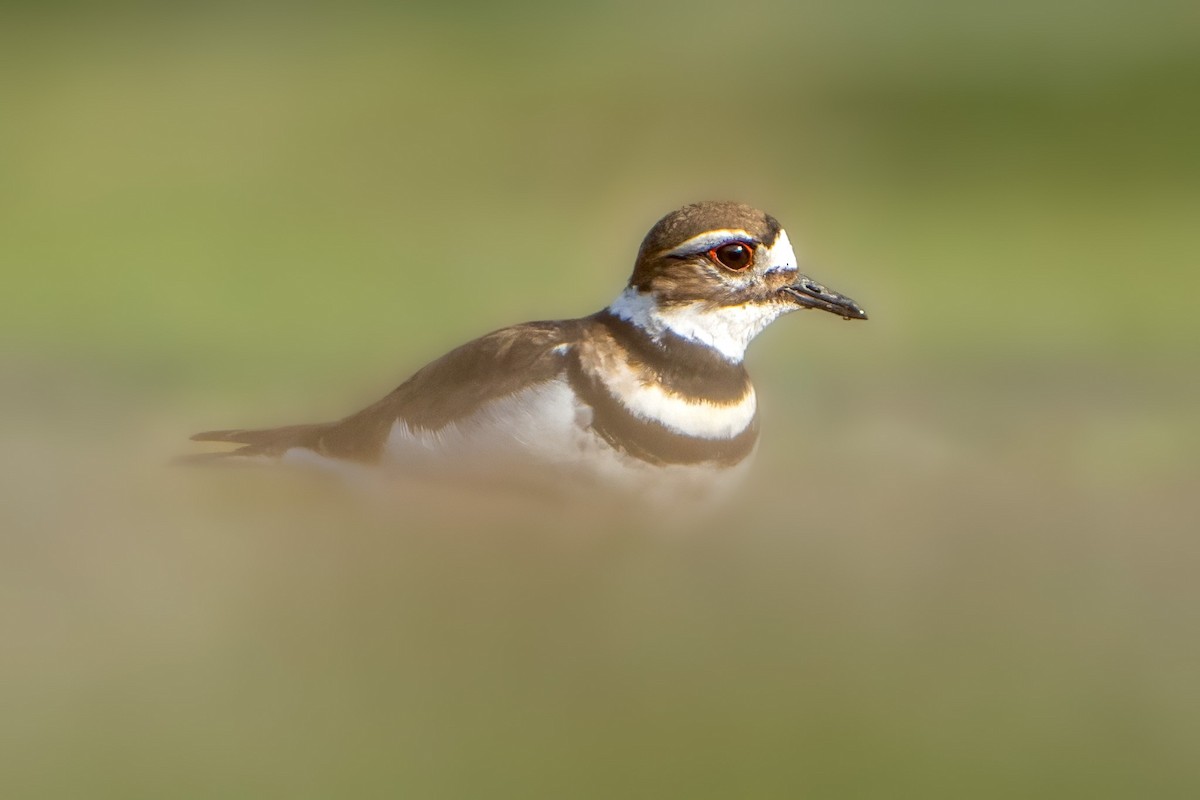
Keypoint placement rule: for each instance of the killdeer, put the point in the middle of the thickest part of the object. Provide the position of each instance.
(649, 393)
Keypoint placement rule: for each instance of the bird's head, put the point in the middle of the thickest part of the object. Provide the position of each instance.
(720, 273)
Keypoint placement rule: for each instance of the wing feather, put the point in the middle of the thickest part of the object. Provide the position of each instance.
(493, 366)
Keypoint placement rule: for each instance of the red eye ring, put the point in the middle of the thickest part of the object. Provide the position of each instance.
(735, 256)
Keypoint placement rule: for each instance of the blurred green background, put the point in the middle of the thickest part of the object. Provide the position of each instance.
(966, 564)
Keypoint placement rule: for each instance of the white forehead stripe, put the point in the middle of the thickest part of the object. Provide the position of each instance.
(707, 241)
(780, 255)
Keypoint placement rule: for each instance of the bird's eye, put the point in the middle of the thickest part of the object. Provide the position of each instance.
(736, 256)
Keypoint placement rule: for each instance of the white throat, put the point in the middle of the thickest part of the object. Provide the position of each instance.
(726, 329)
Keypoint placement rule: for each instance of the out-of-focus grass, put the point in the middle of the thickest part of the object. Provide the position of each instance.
(208, 181)
(964, 568)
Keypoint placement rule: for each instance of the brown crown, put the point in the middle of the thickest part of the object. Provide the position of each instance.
(692, 220)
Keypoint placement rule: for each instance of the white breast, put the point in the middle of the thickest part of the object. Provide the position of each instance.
(701, 419)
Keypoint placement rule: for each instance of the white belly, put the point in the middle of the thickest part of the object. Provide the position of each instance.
(544, 430)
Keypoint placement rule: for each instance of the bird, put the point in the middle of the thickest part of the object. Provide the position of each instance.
(649, 396)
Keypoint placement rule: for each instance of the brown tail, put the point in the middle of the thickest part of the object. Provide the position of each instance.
(268, 442)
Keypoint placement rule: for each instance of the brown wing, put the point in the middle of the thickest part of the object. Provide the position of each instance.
(492, 366)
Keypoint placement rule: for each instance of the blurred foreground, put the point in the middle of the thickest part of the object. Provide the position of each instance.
(966, 567)
(910, 600)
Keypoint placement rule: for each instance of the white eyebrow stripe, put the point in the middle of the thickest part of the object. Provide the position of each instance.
(708, 240)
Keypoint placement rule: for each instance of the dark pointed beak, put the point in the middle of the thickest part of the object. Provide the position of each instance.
(810, 294)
